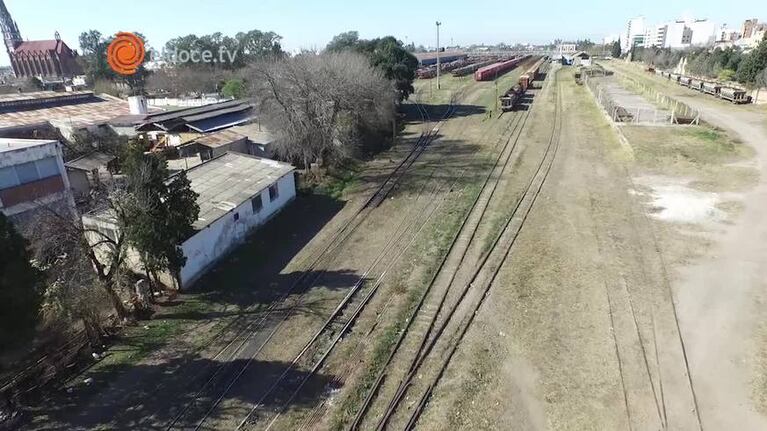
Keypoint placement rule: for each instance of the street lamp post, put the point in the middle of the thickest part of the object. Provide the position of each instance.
(438, 24)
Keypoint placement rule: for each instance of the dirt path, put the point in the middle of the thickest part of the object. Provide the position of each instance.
(721, 296)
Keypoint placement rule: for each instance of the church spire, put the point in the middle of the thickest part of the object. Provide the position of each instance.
(11, 34)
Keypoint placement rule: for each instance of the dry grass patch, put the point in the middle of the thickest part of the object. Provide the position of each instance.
(708, 156)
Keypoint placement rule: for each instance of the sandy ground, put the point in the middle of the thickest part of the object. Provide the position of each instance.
(582, 332)
(721, 295)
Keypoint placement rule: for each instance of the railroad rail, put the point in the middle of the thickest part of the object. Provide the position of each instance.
(326, 254)
(461, 314)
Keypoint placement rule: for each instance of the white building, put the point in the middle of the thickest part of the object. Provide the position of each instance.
(634, 34)
(32, 175)
(567, 48)
(703, 32)
(678, 35)
(237, 193)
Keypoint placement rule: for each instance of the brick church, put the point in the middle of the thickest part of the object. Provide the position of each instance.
(39, 58)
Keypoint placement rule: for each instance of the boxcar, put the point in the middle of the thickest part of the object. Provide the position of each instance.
(696, 84)
(684, 80)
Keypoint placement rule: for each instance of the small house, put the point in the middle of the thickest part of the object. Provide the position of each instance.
(237, 193)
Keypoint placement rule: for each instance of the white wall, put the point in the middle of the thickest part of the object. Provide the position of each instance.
(213, 242)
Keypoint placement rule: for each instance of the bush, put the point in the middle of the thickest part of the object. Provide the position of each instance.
(21, 287)
(726, 75)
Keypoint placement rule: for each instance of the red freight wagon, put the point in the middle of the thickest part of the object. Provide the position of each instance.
(493, 71)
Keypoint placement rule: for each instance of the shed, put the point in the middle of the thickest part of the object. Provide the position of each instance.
(89, 171)
(236, 194)
(581, 58)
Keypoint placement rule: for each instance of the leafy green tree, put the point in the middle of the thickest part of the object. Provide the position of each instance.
(94, 61)
(726, 75)
(237, 52)
(94, 58)
(615, 51)
(386, 54)
(21, 286)
(159, 212)
(753, 64)
(234, 88)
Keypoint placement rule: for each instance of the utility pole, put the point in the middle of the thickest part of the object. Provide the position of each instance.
(438, 24)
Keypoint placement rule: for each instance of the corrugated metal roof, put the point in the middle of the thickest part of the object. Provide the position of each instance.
(219, 122)
(226, 182)
(221, 138)
(255, 133)
(91, 162)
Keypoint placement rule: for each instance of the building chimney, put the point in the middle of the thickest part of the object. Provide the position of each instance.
(138, 105)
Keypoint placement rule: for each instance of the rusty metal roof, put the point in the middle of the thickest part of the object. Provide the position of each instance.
(219, 139)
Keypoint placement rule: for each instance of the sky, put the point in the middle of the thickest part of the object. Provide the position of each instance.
(311, 24)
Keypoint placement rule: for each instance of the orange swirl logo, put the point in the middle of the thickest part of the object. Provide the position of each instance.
(126, 53)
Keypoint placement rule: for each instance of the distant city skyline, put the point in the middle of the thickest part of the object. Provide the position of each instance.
(310, 25)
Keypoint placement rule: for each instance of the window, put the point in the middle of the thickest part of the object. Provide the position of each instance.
(274, 192)
(8, 178)
(257, 204)
(236, 216)
(27, 172)
(47, 167)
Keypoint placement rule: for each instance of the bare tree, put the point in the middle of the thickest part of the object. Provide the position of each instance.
(72, 293)
(323, 107)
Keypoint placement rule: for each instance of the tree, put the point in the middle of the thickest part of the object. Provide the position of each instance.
(616, 49)
(20, 286)
(324, 108)
(242, 49)
(72, 292)
(234, 88)
(180, 81)
(94, 58)
(752, 65)
(94, 61)
(387, 54)
(344, 41)
(159, 213)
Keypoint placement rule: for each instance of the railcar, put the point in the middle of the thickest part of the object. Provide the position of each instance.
(711, 88)
(734, 95)
(696, 84)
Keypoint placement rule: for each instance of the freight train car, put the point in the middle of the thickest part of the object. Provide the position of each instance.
(531, 74)
(493, 71)
(471, 68)
(734, 95)
(515, 93)
(510, 98)
(711, 88)
(696, 84)
(685, 81)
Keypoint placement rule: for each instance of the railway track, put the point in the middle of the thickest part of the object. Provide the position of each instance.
(312, 419)
(424, 350)
(247, 344)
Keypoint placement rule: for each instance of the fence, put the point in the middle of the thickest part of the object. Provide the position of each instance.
(629, 102)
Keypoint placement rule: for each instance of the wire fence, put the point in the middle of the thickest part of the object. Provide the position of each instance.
(627, 101)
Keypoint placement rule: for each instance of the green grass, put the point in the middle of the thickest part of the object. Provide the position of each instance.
(334, 182)
(135, 343)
